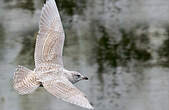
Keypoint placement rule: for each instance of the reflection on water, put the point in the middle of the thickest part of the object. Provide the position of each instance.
(133, 46)
(71, 7)
(24, 4)
(126, 62)
(162, 51)
(2, 40)
(34, 101)
(26, 55)
(6, 1)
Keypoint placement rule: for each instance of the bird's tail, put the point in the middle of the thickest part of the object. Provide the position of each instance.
(25, 81)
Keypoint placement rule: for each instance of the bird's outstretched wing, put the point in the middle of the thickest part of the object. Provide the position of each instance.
(50, 38)
(65, 90)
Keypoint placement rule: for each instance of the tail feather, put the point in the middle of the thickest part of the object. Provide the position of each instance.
(25, 81)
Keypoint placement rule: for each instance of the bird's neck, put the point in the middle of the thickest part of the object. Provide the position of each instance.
(69, 76)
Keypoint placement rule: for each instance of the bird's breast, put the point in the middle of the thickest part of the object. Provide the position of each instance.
(49, 75)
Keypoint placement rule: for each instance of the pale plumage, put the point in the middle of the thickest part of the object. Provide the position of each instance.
(49, 70)
(25, 80)
(64, 90)
(50, 39)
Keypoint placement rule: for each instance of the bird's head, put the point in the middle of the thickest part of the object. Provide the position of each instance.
(77, 76)
(74, 76)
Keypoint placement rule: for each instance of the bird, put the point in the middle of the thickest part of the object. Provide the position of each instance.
(49, 71)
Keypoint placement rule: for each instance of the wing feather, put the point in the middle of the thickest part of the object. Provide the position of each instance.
(66, 91)
(50, 38)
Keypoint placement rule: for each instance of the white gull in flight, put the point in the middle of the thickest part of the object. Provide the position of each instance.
(49, 71)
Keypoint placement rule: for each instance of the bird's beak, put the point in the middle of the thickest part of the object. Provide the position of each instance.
(85, 78)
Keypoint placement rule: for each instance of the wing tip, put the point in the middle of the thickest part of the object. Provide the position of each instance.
(90, 107)
(48, 13)
(85, 104)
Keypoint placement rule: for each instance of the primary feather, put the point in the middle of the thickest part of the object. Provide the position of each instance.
(65, 90)
(50, 39)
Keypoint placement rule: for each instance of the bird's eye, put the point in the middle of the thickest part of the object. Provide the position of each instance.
(78, 76)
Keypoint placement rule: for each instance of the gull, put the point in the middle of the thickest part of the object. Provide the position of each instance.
(49, 71)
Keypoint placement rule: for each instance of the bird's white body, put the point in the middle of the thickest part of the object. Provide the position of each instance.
(49, 70)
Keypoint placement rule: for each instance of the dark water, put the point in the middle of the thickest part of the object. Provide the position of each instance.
(121, 45)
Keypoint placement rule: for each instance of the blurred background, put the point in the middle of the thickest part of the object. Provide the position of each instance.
(121, 45)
